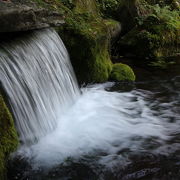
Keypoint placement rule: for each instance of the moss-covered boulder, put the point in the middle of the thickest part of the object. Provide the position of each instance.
(155, 37)
(88, 45)
(122, 72)
(8, 137)
(87, 37)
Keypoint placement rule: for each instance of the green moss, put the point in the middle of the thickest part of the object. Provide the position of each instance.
(124, 11)
(54, 5)
(8, 136)
(156, 37)
(122, 72)
(84, 6)
(110, 8)
(87, 37)
(88, 48)
(173, 3)
(68, 3)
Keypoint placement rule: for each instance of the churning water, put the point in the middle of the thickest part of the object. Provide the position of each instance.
(111, 134)
(104, 133)
(39, 80)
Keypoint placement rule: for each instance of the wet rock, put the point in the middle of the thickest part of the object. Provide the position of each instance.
(23, 15)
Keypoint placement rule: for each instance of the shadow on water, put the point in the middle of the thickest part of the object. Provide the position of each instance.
(152, 160)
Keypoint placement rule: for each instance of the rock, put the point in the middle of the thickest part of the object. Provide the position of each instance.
(157, 37)
(114, 28)
(23, 16)
(87, 37)
(122, 72)
(88, 49)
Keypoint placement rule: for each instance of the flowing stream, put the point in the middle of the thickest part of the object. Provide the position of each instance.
(109, 131)
(113, 131)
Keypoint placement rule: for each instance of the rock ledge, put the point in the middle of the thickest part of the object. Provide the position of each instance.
(22, 17)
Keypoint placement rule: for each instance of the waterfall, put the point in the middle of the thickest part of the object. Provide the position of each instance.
(38, 78)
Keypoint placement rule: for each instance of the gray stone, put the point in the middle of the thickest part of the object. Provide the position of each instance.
(23, 16)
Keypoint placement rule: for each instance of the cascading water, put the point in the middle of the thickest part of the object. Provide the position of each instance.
(37, 75)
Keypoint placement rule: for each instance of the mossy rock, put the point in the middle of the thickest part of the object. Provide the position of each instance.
(87, 38)
(89, 54)
(157, 36)
(122, 72)
(84, 6)
(8, 136)
(124, 11)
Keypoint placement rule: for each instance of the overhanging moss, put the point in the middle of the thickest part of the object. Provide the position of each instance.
(8, 136)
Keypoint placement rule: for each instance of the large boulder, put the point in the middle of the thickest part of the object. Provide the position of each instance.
(87, 37)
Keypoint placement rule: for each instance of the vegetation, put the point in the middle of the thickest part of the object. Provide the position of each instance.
(155, 37)
(152, 33)
(91, 41)
(8, 136)
(88, 34)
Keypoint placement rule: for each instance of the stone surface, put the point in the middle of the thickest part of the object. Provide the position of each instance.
(23, 15)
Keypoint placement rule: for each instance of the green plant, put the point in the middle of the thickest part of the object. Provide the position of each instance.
(68, 3)
(109, 8)
(8, 136)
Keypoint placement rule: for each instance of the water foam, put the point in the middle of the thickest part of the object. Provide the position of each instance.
(103, 121)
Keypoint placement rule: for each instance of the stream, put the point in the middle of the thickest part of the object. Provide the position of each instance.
(114, 131)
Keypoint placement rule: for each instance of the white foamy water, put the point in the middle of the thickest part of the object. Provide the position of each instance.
(102, 121)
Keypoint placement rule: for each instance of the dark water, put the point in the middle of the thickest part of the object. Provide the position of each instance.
(152, 160)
